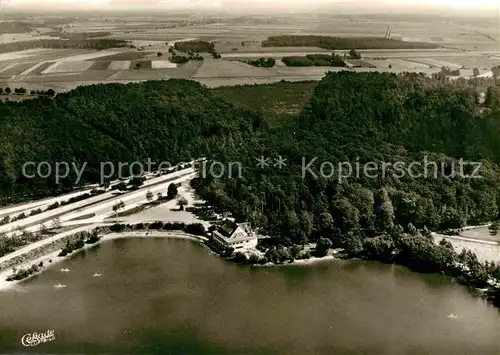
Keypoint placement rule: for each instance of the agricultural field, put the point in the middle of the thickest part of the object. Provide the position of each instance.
(20, 55)
(126, 56)
(31, 67)
(119, 65)
(40, 68)
(68, 67)
(398, 64)
(5, 67)
(308, 73)
(43, 56)
(100, 65)
(231, 69)
(92, 55)
(162, 64)
(462, 44)
(142, 74)
(16, 69)
(185, 71)
(22, 37)
(439, 63)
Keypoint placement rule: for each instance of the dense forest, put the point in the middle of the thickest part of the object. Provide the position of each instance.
(195, 46)
(358, 118)
(327, 42)
(378, 118)
(163, 120)
(372, 117)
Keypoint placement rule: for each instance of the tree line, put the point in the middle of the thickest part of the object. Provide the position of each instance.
(310, 60)
(195, 46)
(328, 42)
(262, 62)
(23, 91)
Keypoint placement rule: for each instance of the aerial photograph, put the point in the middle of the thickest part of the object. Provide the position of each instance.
(231, 177)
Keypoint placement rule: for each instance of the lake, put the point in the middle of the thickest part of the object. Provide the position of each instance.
(165, 296)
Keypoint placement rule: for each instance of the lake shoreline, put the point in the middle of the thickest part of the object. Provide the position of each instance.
(48, 258)
(52, 258)
(131, 284)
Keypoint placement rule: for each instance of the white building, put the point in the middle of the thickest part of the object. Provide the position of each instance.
(233, 235)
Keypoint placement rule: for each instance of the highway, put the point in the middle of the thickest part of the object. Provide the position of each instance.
(100, 205)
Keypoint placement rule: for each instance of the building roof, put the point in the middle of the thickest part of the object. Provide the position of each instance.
(226, 229)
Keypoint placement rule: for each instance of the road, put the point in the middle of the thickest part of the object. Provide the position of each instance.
(23, 208)
(101, 204)
(131, 200)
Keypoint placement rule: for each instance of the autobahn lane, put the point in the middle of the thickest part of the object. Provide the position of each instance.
(33, 223)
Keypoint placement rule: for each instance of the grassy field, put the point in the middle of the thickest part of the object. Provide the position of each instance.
(277, 101)
(218, 68)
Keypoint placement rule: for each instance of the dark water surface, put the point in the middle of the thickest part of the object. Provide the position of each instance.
(159, 296)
